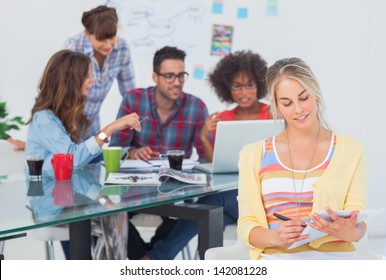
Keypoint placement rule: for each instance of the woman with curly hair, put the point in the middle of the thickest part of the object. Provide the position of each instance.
(237, 78)
(58, 122)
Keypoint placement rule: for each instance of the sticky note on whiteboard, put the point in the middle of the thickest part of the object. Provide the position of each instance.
(242, 13)
(272, 10)
(217, 7)
(198, 72)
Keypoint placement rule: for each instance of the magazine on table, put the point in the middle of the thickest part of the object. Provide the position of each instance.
(120, 178)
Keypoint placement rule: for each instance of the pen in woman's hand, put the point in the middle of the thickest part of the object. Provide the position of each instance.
(140, 121)
(281, 217)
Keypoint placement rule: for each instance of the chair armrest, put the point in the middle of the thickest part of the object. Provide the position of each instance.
(237, 251)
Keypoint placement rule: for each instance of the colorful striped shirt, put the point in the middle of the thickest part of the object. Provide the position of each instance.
(285, 192)
(117, 65)
(180, 131)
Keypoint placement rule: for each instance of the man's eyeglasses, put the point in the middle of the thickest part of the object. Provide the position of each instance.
(171, 77)
(239, 87)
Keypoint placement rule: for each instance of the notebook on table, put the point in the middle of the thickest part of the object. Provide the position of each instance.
(232, 136)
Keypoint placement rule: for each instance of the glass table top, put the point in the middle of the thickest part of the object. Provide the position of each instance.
(26, 205)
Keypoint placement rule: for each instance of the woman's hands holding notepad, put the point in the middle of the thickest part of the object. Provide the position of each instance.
(347, 229)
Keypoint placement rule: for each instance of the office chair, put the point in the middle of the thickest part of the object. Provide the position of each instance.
(237, 251)
(364, 252)
(229, 238)
(49, 235)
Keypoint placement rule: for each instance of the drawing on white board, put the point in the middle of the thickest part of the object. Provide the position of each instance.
(150, 25)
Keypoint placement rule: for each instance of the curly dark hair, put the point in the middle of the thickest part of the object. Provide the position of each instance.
(246, 62)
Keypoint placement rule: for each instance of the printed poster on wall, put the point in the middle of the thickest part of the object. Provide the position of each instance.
(221, 40)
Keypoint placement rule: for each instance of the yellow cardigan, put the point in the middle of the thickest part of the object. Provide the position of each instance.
(343, 185)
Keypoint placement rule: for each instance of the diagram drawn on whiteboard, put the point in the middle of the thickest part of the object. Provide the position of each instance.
(149, 25)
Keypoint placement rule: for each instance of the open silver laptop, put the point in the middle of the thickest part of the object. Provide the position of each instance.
(232, 136)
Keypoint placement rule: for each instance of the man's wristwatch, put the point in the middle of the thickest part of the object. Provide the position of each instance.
(102, 136)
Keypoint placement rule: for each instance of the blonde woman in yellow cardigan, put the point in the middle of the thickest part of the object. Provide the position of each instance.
(304, 169)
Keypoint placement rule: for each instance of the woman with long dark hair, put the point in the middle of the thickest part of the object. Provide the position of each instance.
(58, 122)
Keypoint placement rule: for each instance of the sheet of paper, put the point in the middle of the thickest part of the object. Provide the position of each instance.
(315, 234)
(135, 163)
(186, 164)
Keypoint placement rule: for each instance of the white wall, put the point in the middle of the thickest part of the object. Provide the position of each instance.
(31, 31)
(343, 41)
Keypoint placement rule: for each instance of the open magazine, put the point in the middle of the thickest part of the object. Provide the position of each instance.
(155, 178)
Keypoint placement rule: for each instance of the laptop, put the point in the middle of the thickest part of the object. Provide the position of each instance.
(232, 136)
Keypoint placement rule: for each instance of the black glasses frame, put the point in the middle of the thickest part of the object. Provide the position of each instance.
(171, 77)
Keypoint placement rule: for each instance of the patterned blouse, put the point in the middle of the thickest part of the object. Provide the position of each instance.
(285, 192)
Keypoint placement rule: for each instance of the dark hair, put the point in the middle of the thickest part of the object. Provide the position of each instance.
(166, 53)
(101, 21)
(240, 62)
(60, 90)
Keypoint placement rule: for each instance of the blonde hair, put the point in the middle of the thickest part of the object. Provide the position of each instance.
(296, 69)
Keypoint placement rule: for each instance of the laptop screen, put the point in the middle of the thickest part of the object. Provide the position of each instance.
(232, 136)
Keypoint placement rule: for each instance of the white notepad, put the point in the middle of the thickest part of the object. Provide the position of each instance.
(315, 234)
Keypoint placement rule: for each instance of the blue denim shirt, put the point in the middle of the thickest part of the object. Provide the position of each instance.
(47, 136)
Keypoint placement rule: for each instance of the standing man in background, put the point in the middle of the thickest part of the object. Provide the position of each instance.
(110, 59)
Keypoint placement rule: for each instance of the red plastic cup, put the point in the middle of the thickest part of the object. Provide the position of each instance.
(63, 165)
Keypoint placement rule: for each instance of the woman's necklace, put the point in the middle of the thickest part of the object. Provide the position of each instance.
(300, 194)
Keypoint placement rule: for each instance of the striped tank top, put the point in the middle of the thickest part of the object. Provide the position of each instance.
(282, 191)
